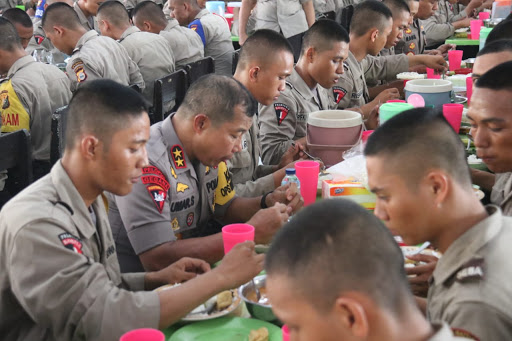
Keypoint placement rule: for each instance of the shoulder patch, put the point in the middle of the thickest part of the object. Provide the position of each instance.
(338, 93)
(281, 112)
(71, 242)
(78, 69)
(464, 333)
(178, 157)
(39, 38)
(471, 270)
(158, 195)
(156, 185)
(152, 170)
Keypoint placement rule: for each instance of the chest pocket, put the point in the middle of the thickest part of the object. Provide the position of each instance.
(243, 159)
(14, 115)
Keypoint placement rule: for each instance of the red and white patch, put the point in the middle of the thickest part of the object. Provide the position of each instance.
(412, 46)
(158, 195)
(178, 157)
(39, 38)
(190, 219)
(338, 93)
(281, 112)
(152, 170)
(157, 186)
(464, 333)
(71, 242)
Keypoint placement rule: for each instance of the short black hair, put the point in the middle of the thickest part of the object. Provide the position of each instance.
(18, 16)
(149, 11)
(497, 46)
(417, 141)
(502, 31)
(263, 46)
(217, 96)
(60, 14)
(497, 78)
(114, 12)
(369, 14)
(102, 107)
(9, 37)
(323, 34)
(397, 6)
(335, 246)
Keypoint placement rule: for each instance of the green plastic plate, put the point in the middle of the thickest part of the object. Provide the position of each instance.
(225, 329)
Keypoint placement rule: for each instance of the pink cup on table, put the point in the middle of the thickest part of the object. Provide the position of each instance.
(455, 59)
(453, 114)
(396, 101)
(484, 15)
(235, 234)
(144, 334)
(469, 88)
(307, 172)
(431, 74)
(286, 333)
(475, 26)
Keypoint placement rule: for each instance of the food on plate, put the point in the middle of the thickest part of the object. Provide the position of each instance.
(259, 334)
(252, 296)
(224, 299)
(410, 75)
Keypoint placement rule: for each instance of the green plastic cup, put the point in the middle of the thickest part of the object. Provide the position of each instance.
(388, 110)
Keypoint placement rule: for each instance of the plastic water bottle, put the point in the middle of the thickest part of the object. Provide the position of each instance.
(290, 178)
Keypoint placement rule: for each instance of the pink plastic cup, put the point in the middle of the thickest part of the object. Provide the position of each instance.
(453, 114)
(455, 59)
(286, 333)
(307, 172)
(469, 88)
(235, 234)
(396, 101)
(475, 26)
(146, 334)
(431, 74)
(484, 15)
(366, 134)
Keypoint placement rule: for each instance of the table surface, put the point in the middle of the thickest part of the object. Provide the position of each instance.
(462, 41)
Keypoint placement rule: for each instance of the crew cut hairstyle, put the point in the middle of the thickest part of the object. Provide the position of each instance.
(149, 11)
(60, 14)
(502, 31)
(497, 46)
(323, 34)
(102, 107)
(18, 16)
(397, 6)
(368, 15)
(114, 12)
(321, 252)
(417, 141)
(497, 78)
(263, 46)
(9, 38)
(217, 96)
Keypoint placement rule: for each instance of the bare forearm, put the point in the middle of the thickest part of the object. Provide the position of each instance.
(245, 12)
(309, 10)
(483, 179)
(242, 209)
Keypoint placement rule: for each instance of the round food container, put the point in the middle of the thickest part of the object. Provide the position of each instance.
(436, 92)
(218, 7)
(331, 132)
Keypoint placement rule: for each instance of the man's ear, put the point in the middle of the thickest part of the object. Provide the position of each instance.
(201, 123)
(439, 184)
(89, 145)
(310, 54)
(374, 34)
(352, 316)
(254, 73)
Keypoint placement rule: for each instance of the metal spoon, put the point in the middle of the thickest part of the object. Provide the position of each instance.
(419, 250)
(314, 158)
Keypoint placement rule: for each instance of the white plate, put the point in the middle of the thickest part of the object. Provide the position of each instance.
(462, 30)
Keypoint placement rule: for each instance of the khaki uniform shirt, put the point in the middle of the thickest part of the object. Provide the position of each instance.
(249, 178)
(174, 199)
(285, 120)
(185, 43)
(323, 6)
(130, 4)
(216, 37)
(351, 90)
(152, 54)
(98, 57)
(88, 23)
(60, 275)
(286, 16)
(470, 287)
(39, 42)
(413, 41)
(444, 333)
(42, 89)
(501, 194)
(439, 26)
(385, 68)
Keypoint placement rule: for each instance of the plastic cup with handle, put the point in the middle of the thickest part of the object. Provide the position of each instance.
(146, 334)
(307, 172)
(431, 74)
(286, 333)
(453, 114)
(455, 59)
(475, 26)
(235, 234)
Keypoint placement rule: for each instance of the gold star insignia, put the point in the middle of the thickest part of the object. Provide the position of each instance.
(177, 153)
(179, 162)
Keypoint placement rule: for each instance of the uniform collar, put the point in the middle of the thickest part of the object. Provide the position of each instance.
(89, 35)
(171, 24)
(467, 246)
(128, 31)
(19, 64)
(69, 196)
(172, 140)
(296, 81)
(81, 15)
(202, 13)
(442, 332)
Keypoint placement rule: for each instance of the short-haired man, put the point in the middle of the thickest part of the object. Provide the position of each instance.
(347, 282)
(29, 94)
(501, 31)
(86, 11)
(21, 21)
(324, 49)
(213, 30)
(151, 52)
(92, 56)
(60, 275)
(187, 184)
(424, 193)
(185, 43)
(265, 61)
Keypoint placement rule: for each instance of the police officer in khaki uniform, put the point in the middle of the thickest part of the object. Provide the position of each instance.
(60, 274)
(213, 30)
(92, 56)
(29, 95)
(131, 4)
(319, 67)
(468, 288)
(187, 183)
(186, 44)
(151, 52)
(86, 11)
(22, 22)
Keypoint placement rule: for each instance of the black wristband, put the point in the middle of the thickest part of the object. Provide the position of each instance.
(263, 204)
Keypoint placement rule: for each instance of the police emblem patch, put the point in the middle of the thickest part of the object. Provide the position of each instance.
(175, 225)
(71, 242)
(158, 195)
(178, 157)
(412, 46)
(190, 219)
(281, 112)
(38, 38)
(81, 76)
(338, 93)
